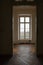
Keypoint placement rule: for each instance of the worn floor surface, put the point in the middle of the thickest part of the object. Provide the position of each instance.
(23, 55)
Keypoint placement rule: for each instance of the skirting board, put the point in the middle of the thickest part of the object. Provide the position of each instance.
(23, 43)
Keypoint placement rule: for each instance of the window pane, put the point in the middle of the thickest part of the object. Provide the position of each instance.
(26, 27)
(27, 38)
(21, 35)
(21, 30)
(21, 27)
(27, 19)
(21, 19)
(26, 30)
(27, 35)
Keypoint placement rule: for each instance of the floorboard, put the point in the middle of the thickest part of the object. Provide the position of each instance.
(24, 55)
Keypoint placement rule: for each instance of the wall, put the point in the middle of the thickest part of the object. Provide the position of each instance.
(23, 10)
(6, 29)
(5, 26)
(40, 29)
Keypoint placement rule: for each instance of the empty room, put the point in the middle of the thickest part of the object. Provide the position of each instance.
(21, 32)
(24, 28)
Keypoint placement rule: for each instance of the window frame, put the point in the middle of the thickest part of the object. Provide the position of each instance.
(30, 23)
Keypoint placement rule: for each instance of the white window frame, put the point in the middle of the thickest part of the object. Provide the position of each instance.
(24, 15)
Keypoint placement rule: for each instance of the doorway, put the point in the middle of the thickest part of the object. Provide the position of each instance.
(24, 25)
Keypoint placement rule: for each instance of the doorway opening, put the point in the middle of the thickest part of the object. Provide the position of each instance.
(24, 25)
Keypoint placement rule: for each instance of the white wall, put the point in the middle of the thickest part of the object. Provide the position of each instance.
(23, 10)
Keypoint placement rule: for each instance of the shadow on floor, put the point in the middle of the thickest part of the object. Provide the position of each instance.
(22, 55)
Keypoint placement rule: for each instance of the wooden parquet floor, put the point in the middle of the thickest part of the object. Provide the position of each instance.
(24, 55)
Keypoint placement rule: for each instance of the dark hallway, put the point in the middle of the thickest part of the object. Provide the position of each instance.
(23, 54)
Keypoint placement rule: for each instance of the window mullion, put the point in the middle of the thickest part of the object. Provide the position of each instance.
(24, 27)
(29, 31)
(19, 28)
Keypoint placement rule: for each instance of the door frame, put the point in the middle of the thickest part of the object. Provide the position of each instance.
(34, 3)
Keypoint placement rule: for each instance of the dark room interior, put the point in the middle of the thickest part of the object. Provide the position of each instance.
(21, 32)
